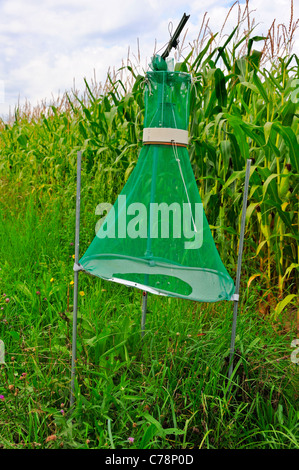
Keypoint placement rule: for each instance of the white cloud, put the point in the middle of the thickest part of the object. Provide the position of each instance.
(46, 44)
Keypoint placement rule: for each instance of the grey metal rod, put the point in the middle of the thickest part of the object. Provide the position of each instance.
(238, 275)
(143, 317)
(76, 273)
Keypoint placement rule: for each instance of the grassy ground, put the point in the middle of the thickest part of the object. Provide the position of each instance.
(169, 391)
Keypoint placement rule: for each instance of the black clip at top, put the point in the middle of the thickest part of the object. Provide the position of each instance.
(174, 40)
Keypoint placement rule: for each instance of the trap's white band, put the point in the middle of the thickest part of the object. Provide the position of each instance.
(165, 134)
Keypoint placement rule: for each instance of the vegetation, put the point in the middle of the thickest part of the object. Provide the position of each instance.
(169, 390)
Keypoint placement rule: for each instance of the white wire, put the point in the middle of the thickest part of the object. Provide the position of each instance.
(176, 155)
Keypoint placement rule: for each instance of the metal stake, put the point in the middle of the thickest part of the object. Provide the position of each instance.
(144, 307)
(238, 275)
(148, 252)
(76, 273)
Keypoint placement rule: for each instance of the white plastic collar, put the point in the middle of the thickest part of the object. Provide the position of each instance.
(165, 134)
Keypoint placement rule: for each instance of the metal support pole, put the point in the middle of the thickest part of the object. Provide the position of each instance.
(238, 275)
(76, 273)
(148, 252)
(144, 307)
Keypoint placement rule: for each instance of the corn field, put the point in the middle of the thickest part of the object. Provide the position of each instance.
(244, 104)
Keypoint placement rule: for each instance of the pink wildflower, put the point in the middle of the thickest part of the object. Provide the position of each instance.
(7, 300)
(131, 440)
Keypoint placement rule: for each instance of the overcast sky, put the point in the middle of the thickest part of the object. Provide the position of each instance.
(46, 45)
